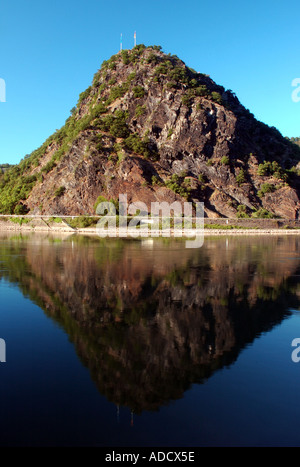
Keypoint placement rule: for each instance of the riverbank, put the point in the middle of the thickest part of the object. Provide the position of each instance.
(211, 227)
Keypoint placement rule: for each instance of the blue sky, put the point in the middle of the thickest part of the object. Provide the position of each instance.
(49, 52)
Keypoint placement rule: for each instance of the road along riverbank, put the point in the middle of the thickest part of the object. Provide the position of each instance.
(88, 224)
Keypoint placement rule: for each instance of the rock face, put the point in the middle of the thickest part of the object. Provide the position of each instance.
(154, 129)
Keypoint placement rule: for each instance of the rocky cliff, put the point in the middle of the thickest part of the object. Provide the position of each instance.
(153, 128)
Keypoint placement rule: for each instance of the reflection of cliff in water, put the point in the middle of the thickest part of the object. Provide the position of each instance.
(148, 320)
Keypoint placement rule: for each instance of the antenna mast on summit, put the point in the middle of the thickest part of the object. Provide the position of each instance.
(134, 36)
(121, 42)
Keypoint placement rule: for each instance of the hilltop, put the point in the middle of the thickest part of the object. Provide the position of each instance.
(153, 128)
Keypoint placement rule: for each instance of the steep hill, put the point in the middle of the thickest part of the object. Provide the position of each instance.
(155, 129)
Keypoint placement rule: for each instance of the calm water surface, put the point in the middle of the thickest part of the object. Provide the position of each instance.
(147, 343)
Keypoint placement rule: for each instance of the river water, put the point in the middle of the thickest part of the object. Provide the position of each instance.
(122, 342)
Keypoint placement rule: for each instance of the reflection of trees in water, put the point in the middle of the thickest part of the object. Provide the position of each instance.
(149, 322)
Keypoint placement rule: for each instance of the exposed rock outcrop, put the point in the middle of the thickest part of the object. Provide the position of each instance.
(156, 130)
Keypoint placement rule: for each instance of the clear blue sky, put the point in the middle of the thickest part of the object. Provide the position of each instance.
(49, 52)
